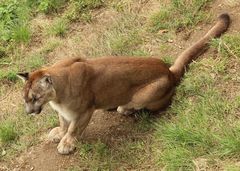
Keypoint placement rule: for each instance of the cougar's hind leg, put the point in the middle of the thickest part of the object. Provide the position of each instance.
(154, 93)
(152, 96)
(161, 103)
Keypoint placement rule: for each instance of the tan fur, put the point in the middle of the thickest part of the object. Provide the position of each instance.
(76, 87)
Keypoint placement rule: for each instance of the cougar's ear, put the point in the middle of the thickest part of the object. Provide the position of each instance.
(23, 76)
(46, 80)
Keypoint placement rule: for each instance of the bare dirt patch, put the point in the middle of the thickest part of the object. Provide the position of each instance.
(109, 127)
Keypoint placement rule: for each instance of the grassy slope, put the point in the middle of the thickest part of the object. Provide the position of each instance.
(199, 130)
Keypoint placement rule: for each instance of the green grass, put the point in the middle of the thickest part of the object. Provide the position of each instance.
(3, 52)
(184, 13)
(50, 6)
(202, 123)
(228, 45)
(168, 60)
(122, 38)
(76, 10)
(144, 121)
(161, 19)
(232, 167)
(95, 156)
(52, 120)
(21, 63)
(126, 154)
(121, 43)
(58, 28)
(50, 46)
(10, 75)
(14, 16)
(80, 9)
(21, 34)
(19, 132)
(35, 61)
(8, 132)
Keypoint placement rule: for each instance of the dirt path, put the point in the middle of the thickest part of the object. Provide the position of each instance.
(108, 127)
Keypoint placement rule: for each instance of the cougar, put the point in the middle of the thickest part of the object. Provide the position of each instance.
(76, 87)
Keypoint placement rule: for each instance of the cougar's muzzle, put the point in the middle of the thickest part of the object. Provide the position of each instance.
(32, 109)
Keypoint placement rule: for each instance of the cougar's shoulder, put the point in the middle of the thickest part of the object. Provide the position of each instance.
(68, 62)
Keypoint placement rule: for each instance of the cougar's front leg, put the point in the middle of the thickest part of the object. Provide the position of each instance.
(57, 133)
(68, 142)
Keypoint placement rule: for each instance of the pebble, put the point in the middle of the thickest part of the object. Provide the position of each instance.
(162, 31)
(4, 152)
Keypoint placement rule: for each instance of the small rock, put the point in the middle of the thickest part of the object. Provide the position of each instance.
(4, 152)
(212, 75)
(170, 41)
(32, 168)
(162, 31)
(16, 169)
(233, 71)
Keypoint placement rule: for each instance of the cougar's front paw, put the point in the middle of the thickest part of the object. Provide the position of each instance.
(66, 145)
(55, 135)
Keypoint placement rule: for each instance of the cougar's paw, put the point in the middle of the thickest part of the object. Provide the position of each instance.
(123, 111)
(55, 135)
(66, 145)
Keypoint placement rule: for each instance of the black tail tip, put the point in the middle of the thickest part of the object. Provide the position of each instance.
(225, 17)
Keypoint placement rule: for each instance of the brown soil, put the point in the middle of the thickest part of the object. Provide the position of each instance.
(109, 127)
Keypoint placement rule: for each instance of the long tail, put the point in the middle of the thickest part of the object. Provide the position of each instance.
(191, 53)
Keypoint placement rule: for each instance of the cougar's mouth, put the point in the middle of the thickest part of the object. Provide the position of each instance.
(35, 112)
(38, 111)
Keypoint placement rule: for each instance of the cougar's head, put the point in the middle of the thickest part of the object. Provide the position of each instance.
(38, 90)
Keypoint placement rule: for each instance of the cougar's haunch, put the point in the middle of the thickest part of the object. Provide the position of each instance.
(76, 87)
